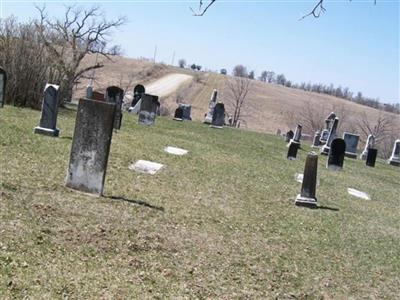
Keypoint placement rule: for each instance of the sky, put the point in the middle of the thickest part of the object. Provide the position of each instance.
(354, 43)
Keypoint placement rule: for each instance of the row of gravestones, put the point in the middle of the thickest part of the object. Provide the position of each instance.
(337, 148)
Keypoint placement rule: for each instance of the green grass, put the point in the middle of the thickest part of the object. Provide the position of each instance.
(219, 222)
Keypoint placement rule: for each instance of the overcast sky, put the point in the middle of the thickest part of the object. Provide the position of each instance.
(354, 44)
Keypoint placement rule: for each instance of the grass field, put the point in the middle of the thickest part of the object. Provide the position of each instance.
(218, 223)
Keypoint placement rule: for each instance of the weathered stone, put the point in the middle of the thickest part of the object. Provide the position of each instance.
(369, 144)
(289, 135)
(358, 194)
(91, 146)
(89, 90)
(138, 92)
(297, 136)
(394, 159)
(316, 142)
(48, 119)
(218, 118)
(98, 96)
(147, 167)
(178, 116)
(371, 157)
(331, 137)
(292, 151)
(328, 125)
(336, 154)
(175, 151)
(187, 110)
(307, 197)
(213, 101)
(351, 141)
(3, 84)
(148, 109)
(115, 95)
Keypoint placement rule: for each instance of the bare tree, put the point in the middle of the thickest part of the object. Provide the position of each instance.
(238, 88)
(240, 71)
(70, 39)
(182, 63)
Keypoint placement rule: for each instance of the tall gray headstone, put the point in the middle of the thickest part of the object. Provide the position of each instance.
(297, 136)
(213, 101)
(48, 119)
(307, 197)
(351, 141)
(115, 95)
(369, 144)
(218, 118)
(316, 142)
(91, 146)
(3, 84)
(394, 159)
(328, 125)
(331, 137)
(148, 109)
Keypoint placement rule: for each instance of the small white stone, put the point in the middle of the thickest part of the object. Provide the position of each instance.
(175, 151)
(299, 177)
(147, 167)
(358, 194)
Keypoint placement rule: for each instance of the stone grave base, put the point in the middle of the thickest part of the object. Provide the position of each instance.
(333, 167)
(178, 119)
(325, 150)
(394, 162)
(216, 127)
(304, 201)
(350, 155)
(47, 131)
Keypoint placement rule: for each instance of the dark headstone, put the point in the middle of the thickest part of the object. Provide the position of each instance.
(394, 159)
(178, 114)
(292, 151)
(3, 84)
(115, 95)
(297, 136)
(336, 154)
(187, 110)
(91, 146)
(218, 118)
(48, 119)
(138, 92)
(307, 197)
(289, 135)
(316, 141)
(98, 96)
(148, 109)
(371, 157)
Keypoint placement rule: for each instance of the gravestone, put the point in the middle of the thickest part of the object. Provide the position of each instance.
(331, 137)
(3, 84)
(328, 125)
(213, 101)
(89, 90)
(218, 118)
(148, 109)
(178, 116)
(371, 157)
(187, 110)
(297, 136)
(316, 139)
(351, 141)
(394, 159)
(292, 151)
(289, 135)
(48, 119)
(336, 154)
(138, 92)
(307, 197)
(91, 146)
(98, 96)
(369, 144)
(115, 95)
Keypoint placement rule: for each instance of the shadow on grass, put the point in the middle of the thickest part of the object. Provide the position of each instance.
(327, 208)
(317, 207)
(66, 137)
(138, 202)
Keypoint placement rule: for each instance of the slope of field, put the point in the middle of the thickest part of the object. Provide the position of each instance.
(167, 84)
(218, 223)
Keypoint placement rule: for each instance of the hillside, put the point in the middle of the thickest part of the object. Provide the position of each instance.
(218, 223)
(269, 106)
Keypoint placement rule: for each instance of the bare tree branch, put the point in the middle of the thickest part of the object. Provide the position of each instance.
(202, 10)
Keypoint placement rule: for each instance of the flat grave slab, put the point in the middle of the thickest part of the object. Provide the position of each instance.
(175, 151)
(146, 167)
(358, 194)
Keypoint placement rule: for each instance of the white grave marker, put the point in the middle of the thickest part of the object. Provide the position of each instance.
(175, 151)
(358, 194)
(147, 167)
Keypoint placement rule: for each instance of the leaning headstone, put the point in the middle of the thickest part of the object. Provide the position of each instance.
(369, 144)
(292, 151)
(336, 154)
(213, 101)
(178, 116)
(187, 110)
(289, 135)
(331, 137)
(3, 82)
(307, 197)
(371, 157)
(218, 118)
(115, 95)
(316, 142)
(148, 109)
(91, 146)
(394, 159)
(351, 141)
(48, 119)
(297, 136)
(328, 125)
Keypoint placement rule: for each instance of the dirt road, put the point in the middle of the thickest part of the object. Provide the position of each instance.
(167, 84)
